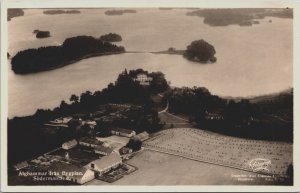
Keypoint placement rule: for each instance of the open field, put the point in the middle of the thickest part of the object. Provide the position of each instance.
(155, 168)
(173, 121)
(223, 150)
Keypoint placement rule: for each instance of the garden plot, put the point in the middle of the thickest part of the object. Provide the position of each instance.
(252, 155)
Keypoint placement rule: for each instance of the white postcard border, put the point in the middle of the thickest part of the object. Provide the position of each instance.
(140, 4)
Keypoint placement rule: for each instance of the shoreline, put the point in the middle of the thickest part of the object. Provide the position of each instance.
(178, 52)
(73, 61)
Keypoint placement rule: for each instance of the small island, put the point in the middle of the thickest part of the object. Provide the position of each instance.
(171, 50)
(59, 11)
(119, 12)
(11, 13)
(111, 37)
(51, 57)
(41, 34)
(200, 51)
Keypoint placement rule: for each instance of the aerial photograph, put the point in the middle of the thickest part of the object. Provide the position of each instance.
(158, 96)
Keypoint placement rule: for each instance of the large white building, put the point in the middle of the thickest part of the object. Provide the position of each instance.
(143, 79)
(105, 164)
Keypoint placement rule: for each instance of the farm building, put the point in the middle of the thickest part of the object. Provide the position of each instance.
(102, 150)
(88, 142)
(21, 165)
(62, 120)
(122, 132)
(105, 164)
(69, 144)
(141, 136)
(71, 172)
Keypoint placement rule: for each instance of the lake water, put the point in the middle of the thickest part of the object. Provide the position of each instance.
(251, 60)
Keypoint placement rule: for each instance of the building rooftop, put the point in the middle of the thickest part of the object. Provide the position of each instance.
(107, 161)
(101, 148)
(90, 141)
(122, 130)
(71, 142)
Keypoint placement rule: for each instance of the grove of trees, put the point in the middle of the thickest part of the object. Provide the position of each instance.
(111, 37)
(268, 120)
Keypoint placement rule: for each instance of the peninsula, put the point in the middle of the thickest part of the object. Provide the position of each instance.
(11, 13)
(241, 17)
(51, 57)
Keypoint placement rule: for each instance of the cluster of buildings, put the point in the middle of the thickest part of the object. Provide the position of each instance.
(104, 155)
(109, 158)
(82, 175)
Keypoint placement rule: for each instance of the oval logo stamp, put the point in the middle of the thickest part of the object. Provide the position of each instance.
(259, 164)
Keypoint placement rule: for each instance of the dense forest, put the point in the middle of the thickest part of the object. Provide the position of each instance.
(224, 17)
(27, 137)
(200, 51)
(267, 119)
(72, 50)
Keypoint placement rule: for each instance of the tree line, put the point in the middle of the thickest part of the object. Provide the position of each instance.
(267, 120)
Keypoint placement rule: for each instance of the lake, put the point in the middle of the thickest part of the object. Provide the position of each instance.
(252, 60)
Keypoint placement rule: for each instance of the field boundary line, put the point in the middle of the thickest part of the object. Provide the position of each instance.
(177, 117)
(214, 163)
